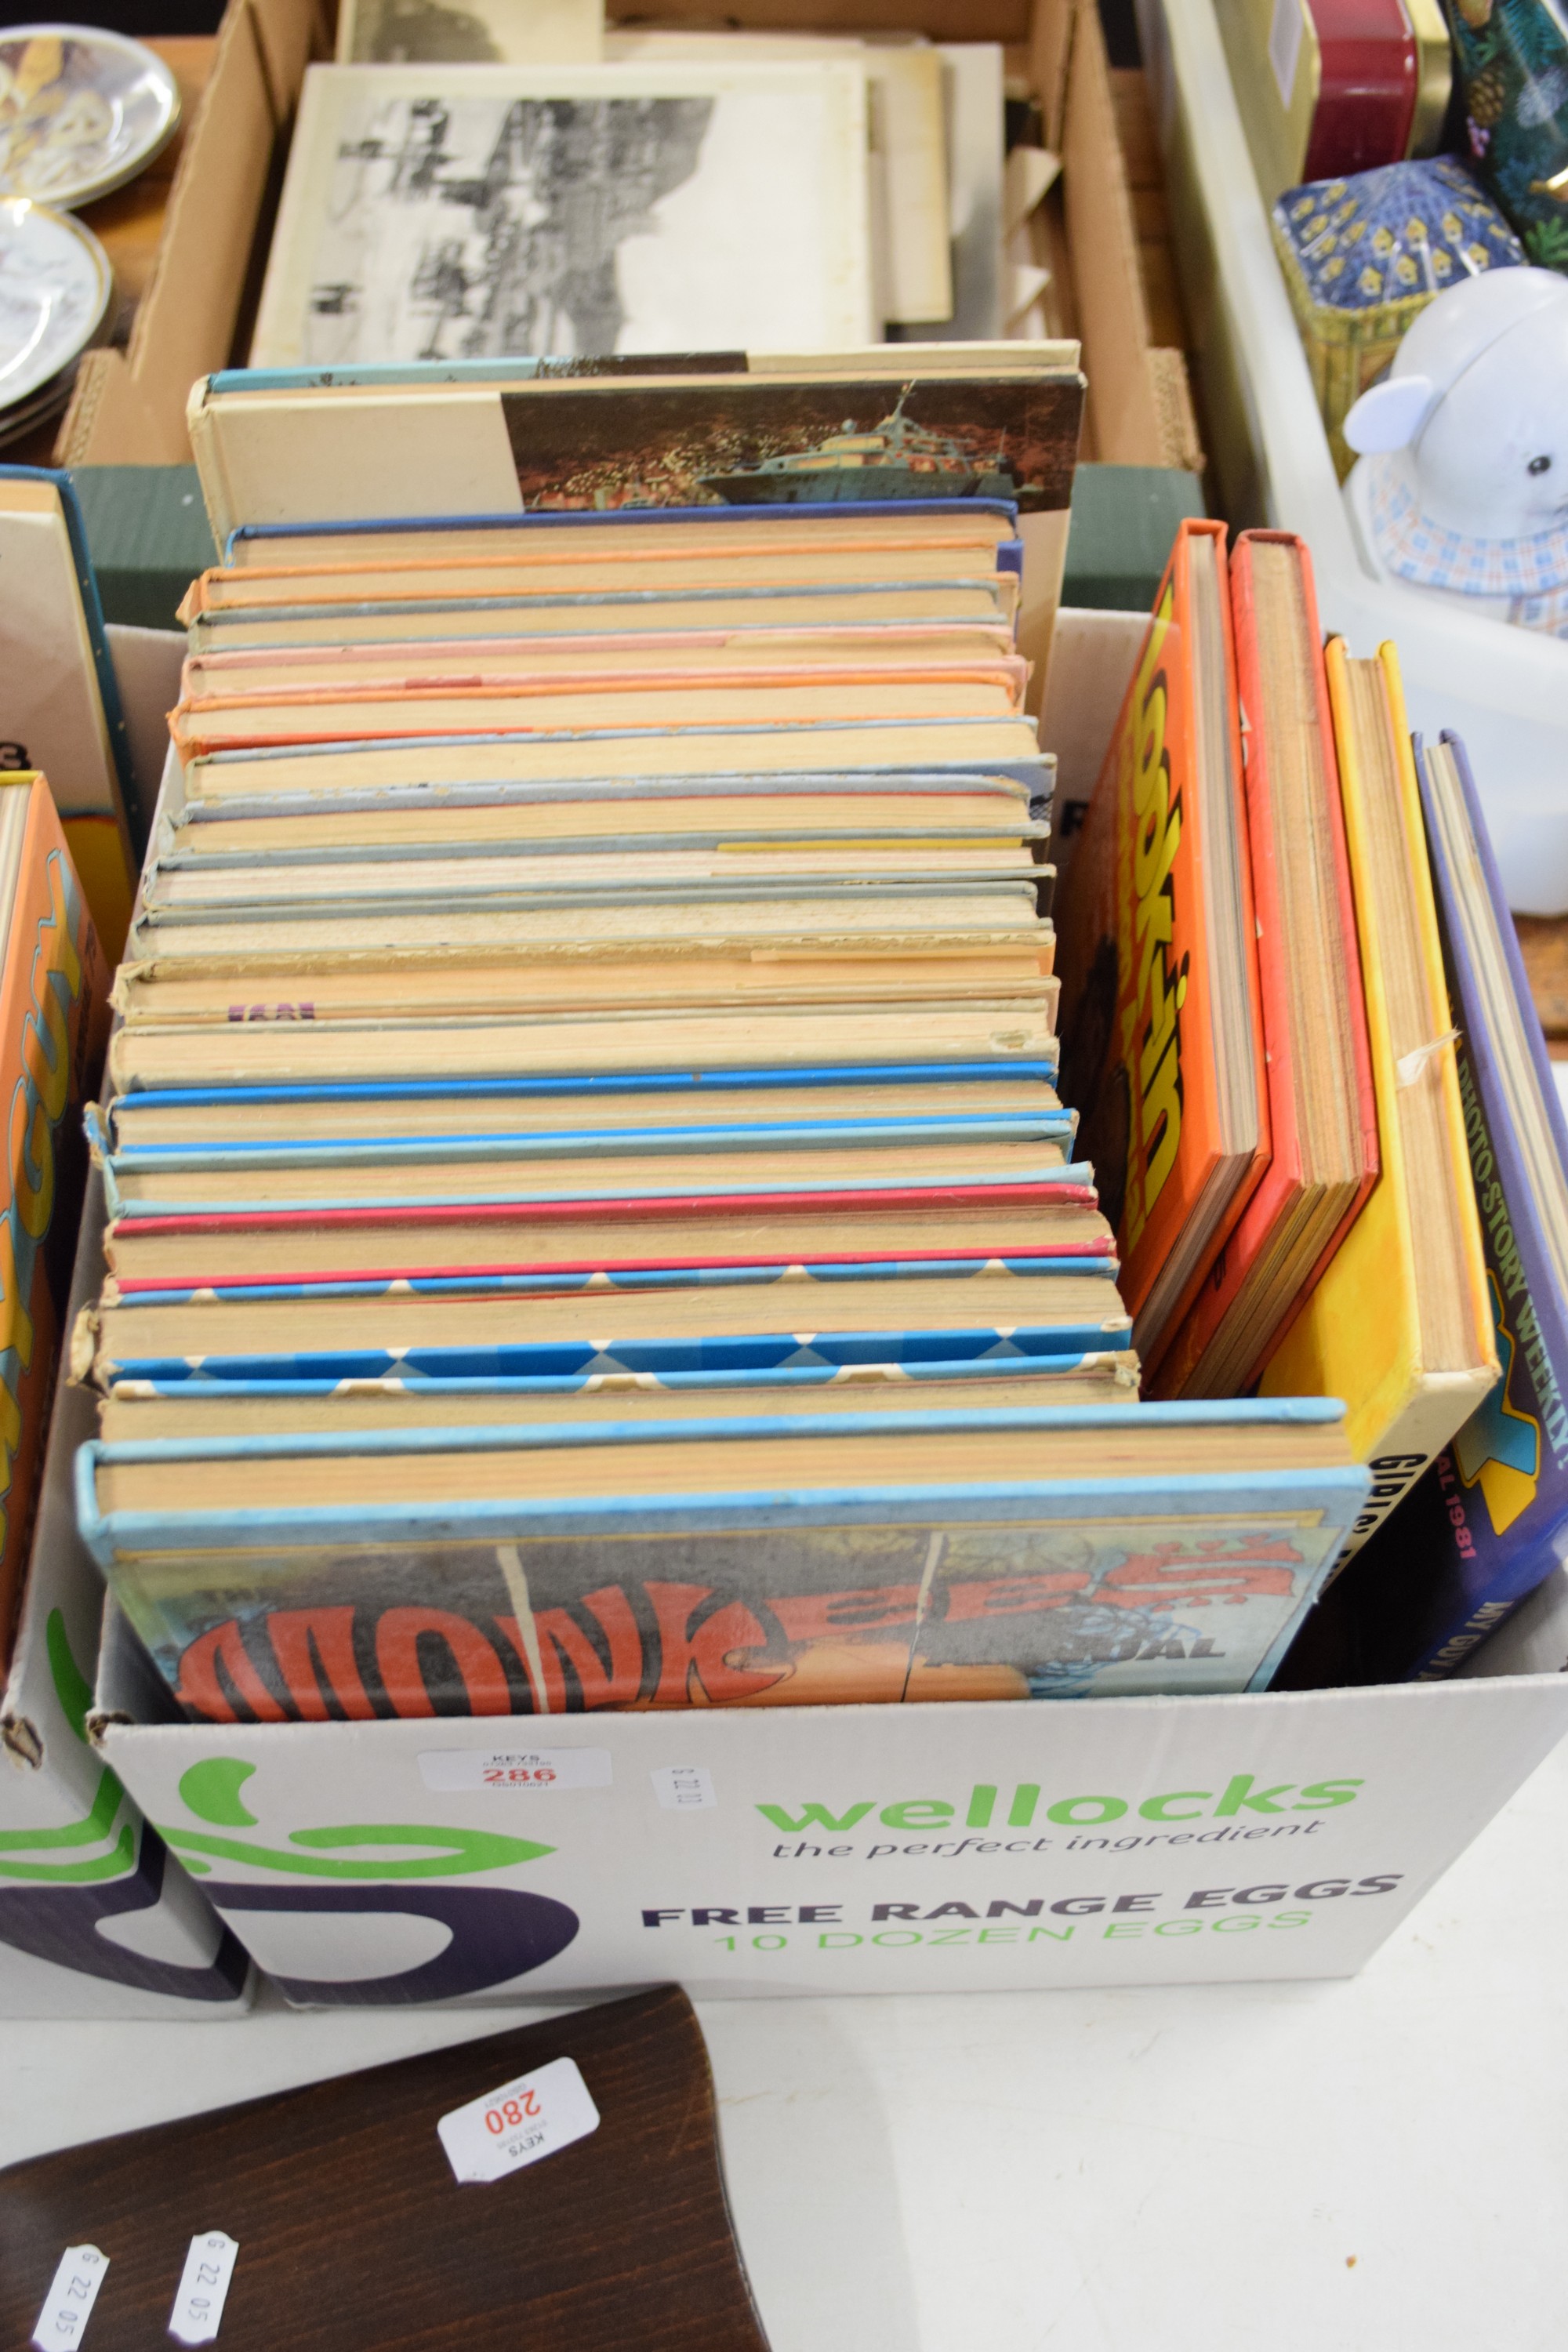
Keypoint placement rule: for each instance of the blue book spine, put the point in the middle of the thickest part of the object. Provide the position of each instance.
(604, 1281)
(177, 856)
(1074, 1174)
(576, 517)
(397, 608)
(792, 1378)
(573, 1358)
(1023, 768)
(315, 901)
(699, 1083)
(598, 1143)
(891, 784)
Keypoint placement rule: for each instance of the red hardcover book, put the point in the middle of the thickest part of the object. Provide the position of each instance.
(1321, 1106)
(585, 1270)
(574, 1239)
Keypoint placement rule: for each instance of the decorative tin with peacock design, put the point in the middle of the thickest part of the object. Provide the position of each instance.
(1511, 57)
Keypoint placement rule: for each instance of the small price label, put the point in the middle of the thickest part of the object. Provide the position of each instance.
(519, 2123)
(517, 1772)
(684, 1787)
(1285, 33)
(204, 2284)
(68, 2304)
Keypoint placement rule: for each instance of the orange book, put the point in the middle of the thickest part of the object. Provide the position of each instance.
(408, 708)
(1161, 1012)
(1322, 1109)
(550, 567)
(54, 1020)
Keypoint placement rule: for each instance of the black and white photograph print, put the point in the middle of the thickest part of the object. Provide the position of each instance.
(471, 32)
(475, 212)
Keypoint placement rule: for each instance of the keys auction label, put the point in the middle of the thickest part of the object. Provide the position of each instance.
(519, 2123)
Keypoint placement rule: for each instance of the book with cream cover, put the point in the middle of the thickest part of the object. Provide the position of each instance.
(907, 422)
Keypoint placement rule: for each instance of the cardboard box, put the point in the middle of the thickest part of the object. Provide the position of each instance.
(95, 1920)
(129, 406)
(1140, 408)
(958, 1848)
(1533, 1640)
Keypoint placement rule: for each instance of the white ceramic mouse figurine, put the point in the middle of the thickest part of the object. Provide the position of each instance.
(1462, 486)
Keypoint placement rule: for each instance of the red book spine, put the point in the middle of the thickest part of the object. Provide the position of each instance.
(1098, 1256)
(687, 1204)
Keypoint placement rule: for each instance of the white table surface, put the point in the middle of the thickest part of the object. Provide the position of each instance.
(1366, 2165)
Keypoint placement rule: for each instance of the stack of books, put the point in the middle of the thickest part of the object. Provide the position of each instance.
(1486, 1523)
(593, 1221)
(1316, 1096)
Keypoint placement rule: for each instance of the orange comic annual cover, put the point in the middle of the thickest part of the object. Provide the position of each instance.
(1161, 1028)
(54, 1022)
(1302, 896)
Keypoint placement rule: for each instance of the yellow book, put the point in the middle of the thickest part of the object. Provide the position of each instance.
(1399, 1325)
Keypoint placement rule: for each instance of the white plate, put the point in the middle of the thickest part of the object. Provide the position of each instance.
(55, 284)
(81, 111)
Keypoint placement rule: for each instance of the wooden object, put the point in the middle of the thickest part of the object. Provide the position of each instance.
(1103, 234)
(1139, 410)
(353, 2234)
(129, 225)
(1544, 943)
